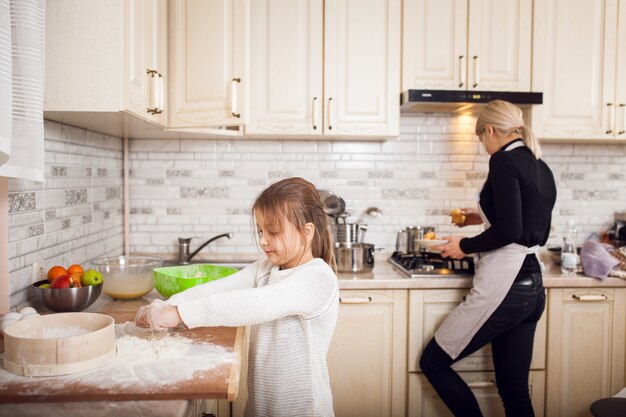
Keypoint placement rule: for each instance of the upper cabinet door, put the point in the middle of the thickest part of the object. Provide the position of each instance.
(620, 81)
(574, 60)
(499, 45)
(156, 60)
(361, 67)
(286, 56)
(207, 62)
(135, 51)
(325, 68)
(442, 51)
(434, 45)
(145, 58)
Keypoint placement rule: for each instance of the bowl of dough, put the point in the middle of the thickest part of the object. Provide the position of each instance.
(127, 277)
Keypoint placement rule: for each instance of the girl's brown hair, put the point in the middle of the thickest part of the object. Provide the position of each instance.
(298, 201)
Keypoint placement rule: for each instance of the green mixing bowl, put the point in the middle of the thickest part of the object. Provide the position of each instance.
(174, 279)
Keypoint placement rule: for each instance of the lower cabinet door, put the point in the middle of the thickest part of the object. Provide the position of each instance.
(423, 401)
(367, 357)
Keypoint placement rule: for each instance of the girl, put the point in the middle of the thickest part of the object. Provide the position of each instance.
(290, 299)
(507, 296)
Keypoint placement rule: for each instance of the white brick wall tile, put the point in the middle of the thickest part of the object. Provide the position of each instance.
(154, 146)
(198, 146)
(435, 165)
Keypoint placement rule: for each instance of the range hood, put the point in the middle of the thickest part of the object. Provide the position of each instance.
(458, 101)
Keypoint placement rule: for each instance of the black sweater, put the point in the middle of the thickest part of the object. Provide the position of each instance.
(517, 199)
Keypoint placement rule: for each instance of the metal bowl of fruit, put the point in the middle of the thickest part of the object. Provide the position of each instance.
(66, 298)
(127, 277)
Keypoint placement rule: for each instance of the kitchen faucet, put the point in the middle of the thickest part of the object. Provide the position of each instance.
(183, 247)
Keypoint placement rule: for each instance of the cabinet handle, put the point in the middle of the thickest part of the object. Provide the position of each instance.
(161, 94)
(234, 84)
(153, 92)
(314, 113)
(590, 297)
(476, 72)
(481, 384)
(623, 107)
(355, 300)
(461, 71)
(611, 109)
(330, 114)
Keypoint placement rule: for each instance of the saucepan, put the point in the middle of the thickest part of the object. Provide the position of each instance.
(355, 257)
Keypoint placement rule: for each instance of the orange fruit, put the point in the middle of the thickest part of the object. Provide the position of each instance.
(76, 271)
(55, 272)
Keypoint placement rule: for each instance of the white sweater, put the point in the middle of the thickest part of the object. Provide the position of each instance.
(293, 314)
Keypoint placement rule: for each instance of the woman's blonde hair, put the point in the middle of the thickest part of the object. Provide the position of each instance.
(298, 201)
(507, 118)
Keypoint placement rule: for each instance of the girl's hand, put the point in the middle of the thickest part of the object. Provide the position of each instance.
(465, 217)
(452, 249)
(158, 315)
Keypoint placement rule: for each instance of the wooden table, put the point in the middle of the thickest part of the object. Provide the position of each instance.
(221, 382)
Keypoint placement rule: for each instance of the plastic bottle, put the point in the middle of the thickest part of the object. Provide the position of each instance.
(569, 254)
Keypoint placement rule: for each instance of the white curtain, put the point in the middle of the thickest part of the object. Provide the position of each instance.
(22, 57)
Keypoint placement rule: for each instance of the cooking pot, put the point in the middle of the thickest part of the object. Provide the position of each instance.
(354, 257)
(407, 240)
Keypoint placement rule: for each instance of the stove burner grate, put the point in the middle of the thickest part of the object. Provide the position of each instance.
(430, 263)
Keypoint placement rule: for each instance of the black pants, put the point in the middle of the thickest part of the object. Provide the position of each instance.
(511, 331)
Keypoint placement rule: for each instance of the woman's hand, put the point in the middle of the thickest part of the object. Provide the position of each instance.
(465, 217)
(452, 249)
(158, 315)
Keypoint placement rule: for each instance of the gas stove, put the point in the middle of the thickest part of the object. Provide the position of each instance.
(416, 265)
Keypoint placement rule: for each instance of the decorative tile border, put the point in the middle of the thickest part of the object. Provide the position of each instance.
(206, 192)
(75, 196)
(20, 202)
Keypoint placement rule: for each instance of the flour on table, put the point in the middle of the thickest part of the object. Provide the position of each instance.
(144, 358)
(62, 331)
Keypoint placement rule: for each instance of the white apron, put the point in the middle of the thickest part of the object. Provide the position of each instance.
(495, 272)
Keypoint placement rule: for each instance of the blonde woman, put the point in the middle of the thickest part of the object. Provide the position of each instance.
(507, 297)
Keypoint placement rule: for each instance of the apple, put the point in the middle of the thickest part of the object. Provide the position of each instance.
(64, 281)
(91, 277)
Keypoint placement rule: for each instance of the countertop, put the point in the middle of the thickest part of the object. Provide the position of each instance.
(384, 276)
(220, 382)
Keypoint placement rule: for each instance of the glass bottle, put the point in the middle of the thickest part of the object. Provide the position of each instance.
(569, 254)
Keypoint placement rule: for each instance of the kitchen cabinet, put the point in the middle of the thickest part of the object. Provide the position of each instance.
(586, 348)
(324, 68)
(579, 63)
(367, 357)
(427, 309)
(207, 63)
(105, 60)
(467, 44)
(424, 401)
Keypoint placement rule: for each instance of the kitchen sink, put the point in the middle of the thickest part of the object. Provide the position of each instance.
(229, 264)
